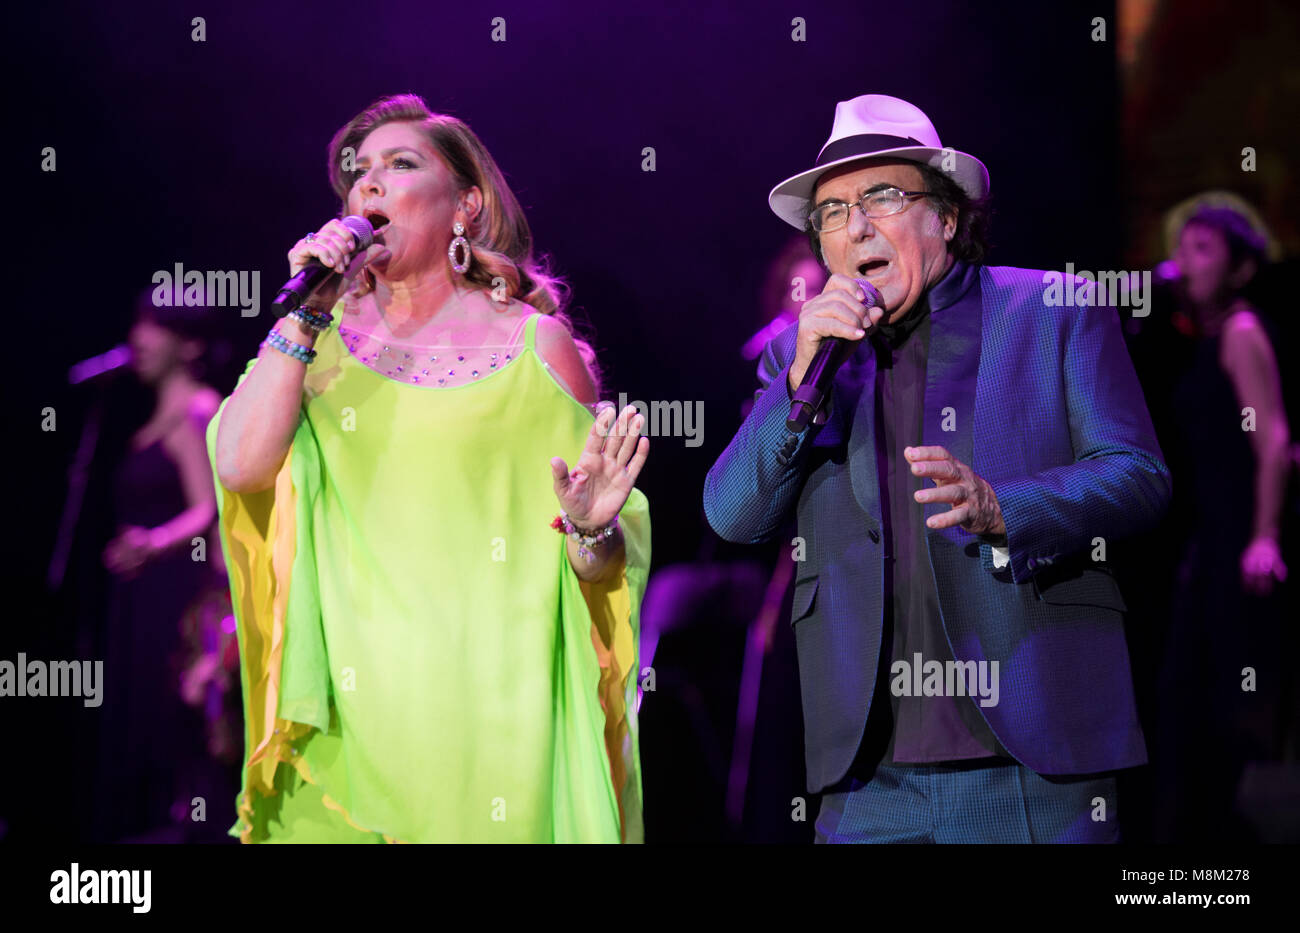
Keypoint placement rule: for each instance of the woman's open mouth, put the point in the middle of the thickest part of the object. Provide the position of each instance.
(377, 220)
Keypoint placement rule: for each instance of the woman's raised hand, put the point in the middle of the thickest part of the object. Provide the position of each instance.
(602, 479)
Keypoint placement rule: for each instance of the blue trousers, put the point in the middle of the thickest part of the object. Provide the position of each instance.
(1002, 802)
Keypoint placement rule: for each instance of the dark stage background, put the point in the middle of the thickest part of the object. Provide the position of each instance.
(212, 154)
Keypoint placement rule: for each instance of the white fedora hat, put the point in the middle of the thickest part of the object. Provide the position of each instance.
(867, 127)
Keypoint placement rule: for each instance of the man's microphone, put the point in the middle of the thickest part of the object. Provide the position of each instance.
(817, 379)
(315, 273)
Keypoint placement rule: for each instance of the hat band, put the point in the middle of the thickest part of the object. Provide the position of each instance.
(863, 144)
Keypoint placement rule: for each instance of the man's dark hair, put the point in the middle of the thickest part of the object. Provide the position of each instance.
(971, 240)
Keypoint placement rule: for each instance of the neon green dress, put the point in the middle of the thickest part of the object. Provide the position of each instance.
(420, 663)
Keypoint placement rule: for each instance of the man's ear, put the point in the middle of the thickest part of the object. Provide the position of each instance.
(950, 226)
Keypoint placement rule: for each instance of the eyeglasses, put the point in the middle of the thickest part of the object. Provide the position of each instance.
(874, 204)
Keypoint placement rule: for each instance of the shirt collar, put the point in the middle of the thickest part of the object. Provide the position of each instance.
(953, 286)
(945, 293)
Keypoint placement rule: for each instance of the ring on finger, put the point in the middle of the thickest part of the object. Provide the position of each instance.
(310, 236)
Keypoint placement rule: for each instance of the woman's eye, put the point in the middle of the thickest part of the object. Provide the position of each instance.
(360, 173)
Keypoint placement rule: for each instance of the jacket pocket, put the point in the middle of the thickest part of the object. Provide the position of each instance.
(805, 599)
(1077, 586)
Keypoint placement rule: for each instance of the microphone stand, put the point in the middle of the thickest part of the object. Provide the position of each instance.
(78, 476)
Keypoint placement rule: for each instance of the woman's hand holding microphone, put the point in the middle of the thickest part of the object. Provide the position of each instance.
(335, 247)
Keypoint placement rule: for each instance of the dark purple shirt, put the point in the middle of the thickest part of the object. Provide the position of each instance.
(921, 729)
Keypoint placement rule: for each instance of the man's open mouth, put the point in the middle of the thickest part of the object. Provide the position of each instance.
(871, 266)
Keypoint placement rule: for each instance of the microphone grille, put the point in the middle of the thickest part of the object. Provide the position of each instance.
(361, 229)
(872, 297)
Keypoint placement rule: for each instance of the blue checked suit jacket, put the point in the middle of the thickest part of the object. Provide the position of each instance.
(1047, 408)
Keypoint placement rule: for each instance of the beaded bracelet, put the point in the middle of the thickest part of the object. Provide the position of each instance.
(313, 320)
(585, 539)
(288, 347)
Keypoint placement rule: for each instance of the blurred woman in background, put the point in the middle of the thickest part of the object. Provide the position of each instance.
(1228, 447)
(168, 587)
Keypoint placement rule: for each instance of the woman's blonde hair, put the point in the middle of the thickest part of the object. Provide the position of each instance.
(499, 236)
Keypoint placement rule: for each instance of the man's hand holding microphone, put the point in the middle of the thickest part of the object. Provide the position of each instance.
(839, 311)
(846, 311)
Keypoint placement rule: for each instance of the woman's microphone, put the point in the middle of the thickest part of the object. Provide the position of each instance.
(315, 273)
(817, 379)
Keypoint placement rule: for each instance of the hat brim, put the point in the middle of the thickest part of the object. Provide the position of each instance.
(791, 200)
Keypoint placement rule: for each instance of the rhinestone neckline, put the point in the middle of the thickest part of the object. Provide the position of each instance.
(417, 369)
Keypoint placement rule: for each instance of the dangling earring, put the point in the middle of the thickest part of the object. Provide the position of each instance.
(459, 230)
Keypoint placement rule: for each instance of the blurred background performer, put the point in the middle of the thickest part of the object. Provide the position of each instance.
(973, 377)
(1204, 363)
(425, 658)
(154, 757)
